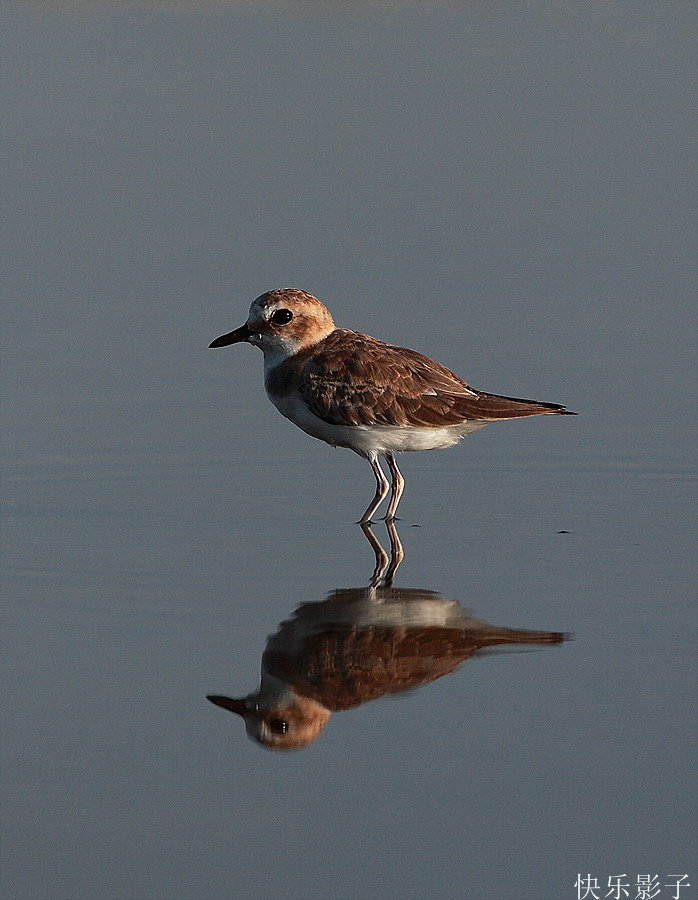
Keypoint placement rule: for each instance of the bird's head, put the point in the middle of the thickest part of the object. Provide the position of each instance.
(281, 323)
(277, 719)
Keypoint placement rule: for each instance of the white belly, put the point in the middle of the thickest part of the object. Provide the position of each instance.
(367, 440)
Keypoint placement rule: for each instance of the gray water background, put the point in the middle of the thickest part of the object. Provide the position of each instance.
(509, 188)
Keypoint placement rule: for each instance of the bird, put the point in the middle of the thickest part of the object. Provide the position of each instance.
(352, 390)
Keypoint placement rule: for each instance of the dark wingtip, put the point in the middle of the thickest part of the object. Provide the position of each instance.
(561, 637)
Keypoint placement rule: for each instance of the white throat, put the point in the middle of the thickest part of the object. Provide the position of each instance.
(276, 350)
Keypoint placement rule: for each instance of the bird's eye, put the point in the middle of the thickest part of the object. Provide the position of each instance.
(278, 726)
(282, 316)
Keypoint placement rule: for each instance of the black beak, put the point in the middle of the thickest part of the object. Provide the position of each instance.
(236, 706)
(232, 337)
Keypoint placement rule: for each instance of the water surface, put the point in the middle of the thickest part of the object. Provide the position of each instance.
(507, 188)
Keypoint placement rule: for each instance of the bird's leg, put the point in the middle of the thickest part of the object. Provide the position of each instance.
(382, 486)
(397, 488)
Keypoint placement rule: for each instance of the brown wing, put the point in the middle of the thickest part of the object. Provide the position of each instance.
(345, 666)
(352, 379)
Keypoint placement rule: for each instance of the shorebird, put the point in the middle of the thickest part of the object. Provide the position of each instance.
(351, 390)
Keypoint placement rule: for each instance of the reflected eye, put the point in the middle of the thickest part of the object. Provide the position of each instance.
(278, 726)
(282, 316)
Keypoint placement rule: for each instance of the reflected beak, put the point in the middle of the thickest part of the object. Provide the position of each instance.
(230, 703)
(232, 337)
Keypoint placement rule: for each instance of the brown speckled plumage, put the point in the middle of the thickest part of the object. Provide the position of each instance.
(353, 379)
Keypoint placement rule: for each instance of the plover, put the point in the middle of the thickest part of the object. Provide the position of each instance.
(351, 390)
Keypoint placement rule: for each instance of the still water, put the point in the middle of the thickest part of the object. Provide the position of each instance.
(498, 696)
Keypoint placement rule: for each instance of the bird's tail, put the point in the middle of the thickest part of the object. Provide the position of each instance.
(496, 636)
(493, 406)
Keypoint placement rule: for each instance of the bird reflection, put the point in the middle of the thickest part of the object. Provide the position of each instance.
(357, 645)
